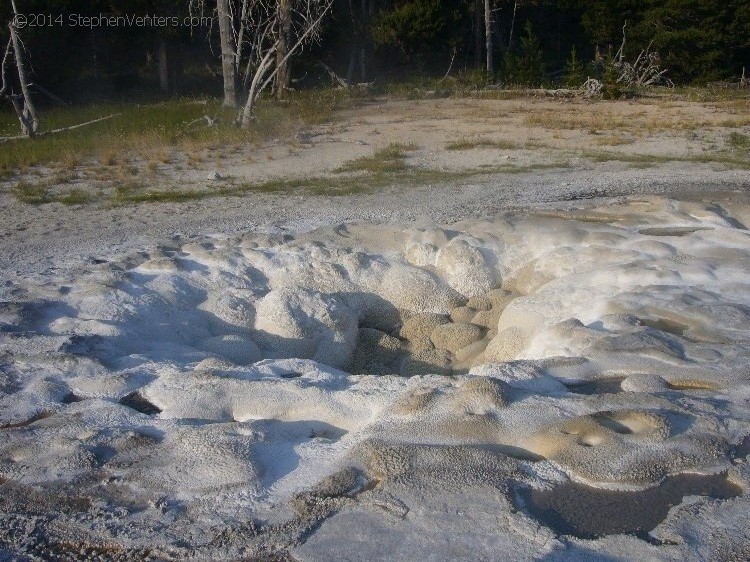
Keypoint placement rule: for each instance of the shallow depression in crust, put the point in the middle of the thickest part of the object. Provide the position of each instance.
(587, 512)
(671, 230)
(606, 385)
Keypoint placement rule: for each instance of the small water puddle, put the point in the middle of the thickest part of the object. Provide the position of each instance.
(588, 513)
(607, 385)
(672, 230)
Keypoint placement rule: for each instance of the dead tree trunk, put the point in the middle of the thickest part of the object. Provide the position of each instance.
(362, 52)
(360, 21)
(285, 27)
(23, 104)
(256, 87)
(478, 39)
(228, 53)
(264, 63)
(488, 37)
(353, 53)
(163, 66)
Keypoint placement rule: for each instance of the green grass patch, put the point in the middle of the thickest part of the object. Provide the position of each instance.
(643, 159)
(470, 144)
(63, 177)
(388, 160)
(647, 160)
(308, 186)
(39, 193)
(134, 192)
(511, 169)
(159, 196)
(33, 194)
(74, 197)
(738, 141)
(700, 94)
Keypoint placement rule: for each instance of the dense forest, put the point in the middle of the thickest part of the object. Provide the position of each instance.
(176, 50)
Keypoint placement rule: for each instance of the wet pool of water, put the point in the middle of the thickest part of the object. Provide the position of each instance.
(587, 512)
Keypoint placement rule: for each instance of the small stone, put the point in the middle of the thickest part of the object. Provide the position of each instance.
(377, 353)
(500, 298)
(487, 318)
(426, 362)
(644, 382)
(466, 355)
(453, 337)
(480, 303)
(463, 314)
(417, 329)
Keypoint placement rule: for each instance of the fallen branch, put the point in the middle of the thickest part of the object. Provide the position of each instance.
(556, 93)
(591, 88)
(335, 77)
(62, 129)
(82, 124)
(50, 95)
(17, 137)
(210, 121)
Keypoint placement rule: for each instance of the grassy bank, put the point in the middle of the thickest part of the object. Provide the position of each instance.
(165, 151)
(151, 131)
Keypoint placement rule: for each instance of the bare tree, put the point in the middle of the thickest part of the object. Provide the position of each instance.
(22, 103)
(265, 25)
(228, 51)
(488, 36)
(258, 38)
(645, 71)
(285, 24)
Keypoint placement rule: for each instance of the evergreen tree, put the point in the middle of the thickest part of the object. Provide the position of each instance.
(575, 70)
(526, 67)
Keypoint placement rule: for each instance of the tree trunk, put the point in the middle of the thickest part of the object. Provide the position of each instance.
(478, 38)
(488, 37)
(176, 68)
(282, 62)
(256, 87)
(352, 66)
(228, 55)
(362, 53)
(27, 114)
(163, 67)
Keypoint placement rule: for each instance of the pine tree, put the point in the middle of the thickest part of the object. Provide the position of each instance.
(574, 70)
(527, 67)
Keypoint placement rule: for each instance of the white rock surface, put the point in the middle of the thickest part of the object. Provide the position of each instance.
(185, 391)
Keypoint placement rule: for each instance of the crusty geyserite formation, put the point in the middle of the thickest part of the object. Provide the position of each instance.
(255, 395)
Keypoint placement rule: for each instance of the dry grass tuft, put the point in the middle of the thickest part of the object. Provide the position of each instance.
(470, 144)
(109, 156)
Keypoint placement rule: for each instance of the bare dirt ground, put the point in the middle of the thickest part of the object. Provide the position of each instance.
(458, 158)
